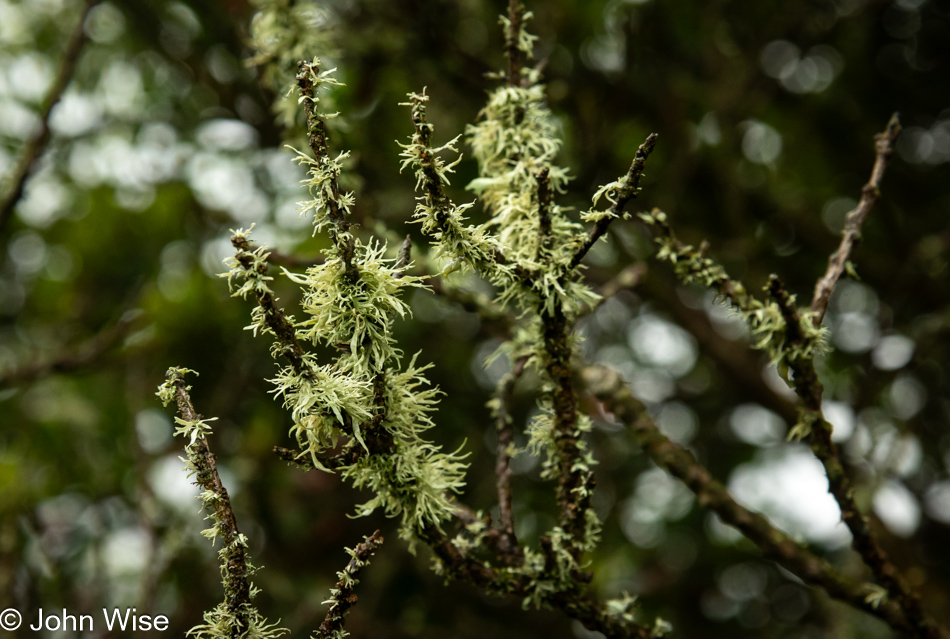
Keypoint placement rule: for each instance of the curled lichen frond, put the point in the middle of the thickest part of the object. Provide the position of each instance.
(807, 420)
(415, 483)
(248, 267)
(194, 429)
(623, 607)
(523, 40)
(221, 623)
(614, 192)
(317, 80)
(356, 314)
(473, 535)
(321, 181)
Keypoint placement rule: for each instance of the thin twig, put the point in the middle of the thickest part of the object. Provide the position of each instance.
(737, 360)
(79, 358)
(235, 561)
(37, 143)
(626, 280)
(317, 136)
(343, 598)
(505, 432)
(545, 201)
(624, 195)
(274, 317)
(304, 461)
(512, 52)
(609, 387)
(294, 261)
(810, 390)
(870, 194)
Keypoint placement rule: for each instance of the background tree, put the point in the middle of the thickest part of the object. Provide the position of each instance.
(163, 141)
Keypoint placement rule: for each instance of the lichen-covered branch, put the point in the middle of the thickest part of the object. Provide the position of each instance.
(767, 323)
(792, 337)
(609, 388)
(342, 597)
(618, 193)
(817, 431)
(837, 263)
(252, 263)
(463, 245)
(331, 207)
(235, 616)
(16, 183)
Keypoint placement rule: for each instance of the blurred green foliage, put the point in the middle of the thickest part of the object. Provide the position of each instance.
(165, 140)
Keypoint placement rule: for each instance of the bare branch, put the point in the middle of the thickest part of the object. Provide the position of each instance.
(505, 440)
(545, 201)
(38, 142)
(883, 146)
(512, 52)
(81, 357)
(294, 261)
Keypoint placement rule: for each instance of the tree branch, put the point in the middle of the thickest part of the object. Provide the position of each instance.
(630, 186)
(38, 142)
(234, 560)
(870, 194)
(81, 357)
(609, 387)
(342, 597)
(502, 470)
(512, 51)
(818, 433)
(317, 137)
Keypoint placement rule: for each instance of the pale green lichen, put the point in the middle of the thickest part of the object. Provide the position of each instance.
(876, 595)
(462, 245)
(357, 314)
(351, 302)
(226, 620)
(221, 623)
(622, 607)
(514, 140)
(283, 32)
(166, 390)
(766, 322)
(807, 419)
(524, 41)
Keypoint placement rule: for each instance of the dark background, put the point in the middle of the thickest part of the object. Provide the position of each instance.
(165, 140)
